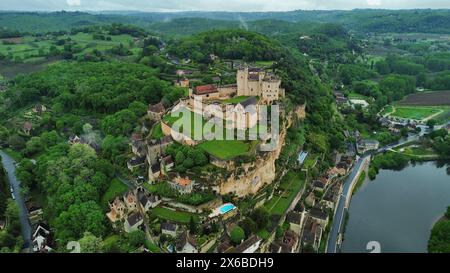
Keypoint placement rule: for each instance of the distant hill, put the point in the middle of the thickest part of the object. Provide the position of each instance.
(182, 23)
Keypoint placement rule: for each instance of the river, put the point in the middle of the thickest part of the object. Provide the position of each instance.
(398, 209)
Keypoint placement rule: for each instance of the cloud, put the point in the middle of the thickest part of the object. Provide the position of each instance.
(374, 2)
(73, 3)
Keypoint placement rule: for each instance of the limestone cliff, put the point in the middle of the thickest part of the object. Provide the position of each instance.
(249, 178)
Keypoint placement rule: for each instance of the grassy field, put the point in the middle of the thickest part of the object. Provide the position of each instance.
(115, 189)
(157, 132)
(357, 96)
(227, 149)
(291, 184)
(175, 216)
(31, 49)
(414, 150)
(234, 100)
(417, 113)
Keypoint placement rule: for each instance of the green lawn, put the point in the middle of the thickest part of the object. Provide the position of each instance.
(417, 113)
(227, 149)
(115, 189)
(291, 184)
(175, 216)
(152, 247)
(310, 161)
(157, 132)
(387, 110)
(235, 100)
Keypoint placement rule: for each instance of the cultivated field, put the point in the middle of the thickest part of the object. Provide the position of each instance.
(422, 107)
(434, 98)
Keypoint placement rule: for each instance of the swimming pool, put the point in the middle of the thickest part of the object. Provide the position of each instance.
(226, 208)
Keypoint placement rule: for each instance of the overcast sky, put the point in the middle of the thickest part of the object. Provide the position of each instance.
(215, 5)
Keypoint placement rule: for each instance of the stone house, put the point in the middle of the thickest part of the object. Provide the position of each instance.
(186, 243)
(133, 222)
(156, 111)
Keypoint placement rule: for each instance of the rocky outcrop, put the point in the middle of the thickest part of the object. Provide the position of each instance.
(249, 178)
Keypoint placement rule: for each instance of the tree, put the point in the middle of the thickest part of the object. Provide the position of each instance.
(136, 238)
(261, 217)
(237, 235)
(89, 243)
(431, 123)
(193, 228)
(249, 226)
(79, 218)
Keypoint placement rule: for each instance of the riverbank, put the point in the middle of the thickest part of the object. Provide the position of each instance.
(399, 158)
(439, 241)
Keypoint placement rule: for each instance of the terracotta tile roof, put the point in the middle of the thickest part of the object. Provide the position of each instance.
(205, 89)
(183, 181)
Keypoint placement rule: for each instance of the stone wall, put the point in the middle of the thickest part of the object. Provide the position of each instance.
(249, 178)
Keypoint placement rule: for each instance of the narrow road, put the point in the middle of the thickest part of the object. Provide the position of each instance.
(339, 217)
(10, 168)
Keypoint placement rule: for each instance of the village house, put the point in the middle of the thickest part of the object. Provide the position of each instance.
(320, 216)
(167, 164)
(35, 213)
(156, 111)
(117, 210)
(147, 201)
(182, 185)
(133, 222)
(205, 92)
(290, 242)
(186, 243)
(136, 162)
(251, 245)
(312, 234)
(319, 186)
(157, 148)
(295, 221)
(184, 82)
(130, 201)
(42, 239)
(274, 247)
(154, 172)
(169, 229)
(366, 145)
(138, 145)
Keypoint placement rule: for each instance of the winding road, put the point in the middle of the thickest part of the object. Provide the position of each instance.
(10, 168)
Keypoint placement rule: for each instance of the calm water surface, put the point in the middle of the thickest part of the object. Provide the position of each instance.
(398, 209)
